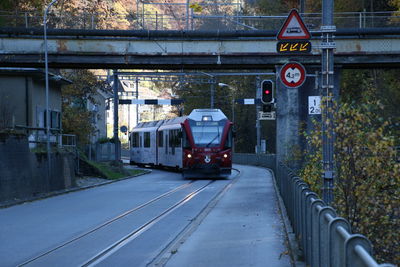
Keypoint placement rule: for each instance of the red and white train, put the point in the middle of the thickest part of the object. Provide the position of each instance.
(199, 144)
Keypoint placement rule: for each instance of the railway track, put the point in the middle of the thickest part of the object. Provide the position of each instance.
(134, 221)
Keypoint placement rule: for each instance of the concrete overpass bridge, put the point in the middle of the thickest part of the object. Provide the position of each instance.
(124, 49)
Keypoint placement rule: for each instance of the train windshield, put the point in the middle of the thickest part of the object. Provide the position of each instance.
(207, 133)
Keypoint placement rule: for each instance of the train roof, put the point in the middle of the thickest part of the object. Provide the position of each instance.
(157, 124)
(199, 114)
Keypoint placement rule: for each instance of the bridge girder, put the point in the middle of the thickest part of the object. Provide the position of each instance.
(177, 52)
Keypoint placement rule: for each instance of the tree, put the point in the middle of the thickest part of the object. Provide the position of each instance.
(367, 185)
(76, 118)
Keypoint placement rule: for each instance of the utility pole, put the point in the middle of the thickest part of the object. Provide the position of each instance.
(46, 66)
(137, 97)
(212, 93)
(258, 109)
(302, 6)
(116, 99)
(327, 90)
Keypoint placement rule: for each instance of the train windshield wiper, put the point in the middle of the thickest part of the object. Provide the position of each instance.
(217, 136)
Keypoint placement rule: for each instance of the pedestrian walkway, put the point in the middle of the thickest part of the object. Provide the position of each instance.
(243, 229)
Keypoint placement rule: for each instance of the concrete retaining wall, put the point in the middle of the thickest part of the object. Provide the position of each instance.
(105, 152)
(264, 160)
(24, 174)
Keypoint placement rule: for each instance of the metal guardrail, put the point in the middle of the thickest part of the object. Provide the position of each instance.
(326, 239)
(159, 21)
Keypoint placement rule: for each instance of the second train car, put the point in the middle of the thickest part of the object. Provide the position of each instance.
(200, 145)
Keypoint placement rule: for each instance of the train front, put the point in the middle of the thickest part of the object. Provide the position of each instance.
(207, 144)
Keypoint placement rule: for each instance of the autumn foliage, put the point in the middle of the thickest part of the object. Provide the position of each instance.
(367, 182)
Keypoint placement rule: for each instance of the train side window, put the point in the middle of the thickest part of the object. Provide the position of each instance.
(166, 143)
(172, 141)
(146, 139)
(160, 139)
(140, 141)
(135, 139)
(171, 138)
(178, 138)
(228, 142)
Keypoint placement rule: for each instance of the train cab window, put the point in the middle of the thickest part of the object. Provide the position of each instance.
(160, 138)
(135, 139)
(185, 140)
(146, 139)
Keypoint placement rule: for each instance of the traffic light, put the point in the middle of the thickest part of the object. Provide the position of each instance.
(267, 87)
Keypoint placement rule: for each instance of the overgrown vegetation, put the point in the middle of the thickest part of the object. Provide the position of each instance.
(367, 183)
(112, 170)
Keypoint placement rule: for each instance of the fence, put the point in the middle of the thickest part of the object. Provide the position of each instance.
(325, 238)
(206, 21)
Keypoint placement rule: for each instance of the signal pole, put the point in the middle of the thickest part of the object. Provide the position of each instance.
(258, 109)
(327, 90)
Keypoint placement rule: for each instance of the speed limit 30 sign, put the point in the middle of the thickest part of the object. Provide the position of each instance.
(293, 74)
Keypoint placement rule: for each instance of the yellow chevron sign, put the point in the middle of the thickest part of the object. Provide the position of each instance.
(292, 47)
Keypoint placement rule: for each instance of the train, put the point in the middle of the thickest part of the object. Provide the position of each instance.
(199, 145)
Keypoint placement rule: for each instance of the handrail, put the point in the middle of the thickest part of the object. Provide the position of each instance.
(326, 239)
(157, 21)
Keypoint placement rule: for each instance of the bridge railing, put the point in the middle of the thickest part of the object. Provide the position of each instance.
(326, 239)
(159, 21)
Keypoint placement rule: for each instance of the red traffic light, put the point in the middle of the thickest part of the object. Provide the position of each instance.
(267, 87)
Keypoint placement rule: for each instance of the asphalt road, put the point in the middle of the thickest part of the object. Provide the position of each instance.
(146, 220)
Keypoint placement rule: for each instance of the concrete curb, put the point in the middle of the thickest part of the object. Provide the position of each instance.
(292, 243)
(69, 190)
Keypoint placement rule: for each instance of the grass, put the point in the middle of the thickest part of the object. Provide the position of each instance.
(114, 171)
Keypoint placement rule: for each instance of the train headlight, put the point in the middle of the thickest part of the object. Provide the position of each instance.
(189, 156)
(225, 155)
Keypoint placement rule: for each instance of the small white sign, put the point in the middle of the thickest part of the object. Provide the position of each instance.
(314, 105)
(267, 116)
(249, 101)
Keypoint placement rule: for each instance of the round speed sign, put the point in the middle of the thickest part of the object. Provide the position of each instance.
(293, 74)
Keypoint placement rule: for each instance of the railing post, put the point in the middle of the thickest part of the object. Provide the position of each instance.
(315, 242)
(351, 257)
(336, 241)
(308, 225)
(324, 234)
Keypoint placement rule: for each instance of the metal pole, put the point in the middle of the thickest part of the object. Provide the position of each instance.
(46, 66)
(116, 139)
(327, 88)
(212, 93)
(258, 109)
(137, 97)
(187, 15)
(302, 6)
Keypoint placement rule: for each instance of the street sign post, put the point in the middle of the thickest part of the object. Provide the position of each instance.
(293, 74)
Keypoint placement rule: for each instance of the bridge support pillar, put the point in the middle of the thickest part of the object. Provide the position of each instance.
(292, 116)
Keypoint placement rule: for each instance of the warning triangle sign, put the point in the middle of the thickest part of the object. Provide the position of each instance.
(293, 28)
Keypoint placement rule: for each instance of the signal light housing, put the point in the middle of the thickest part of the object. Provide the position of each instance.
(267, 91)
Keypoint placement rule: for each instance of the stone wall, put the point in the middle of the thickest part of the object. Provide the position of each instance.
(264, 160)
(23, 174)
